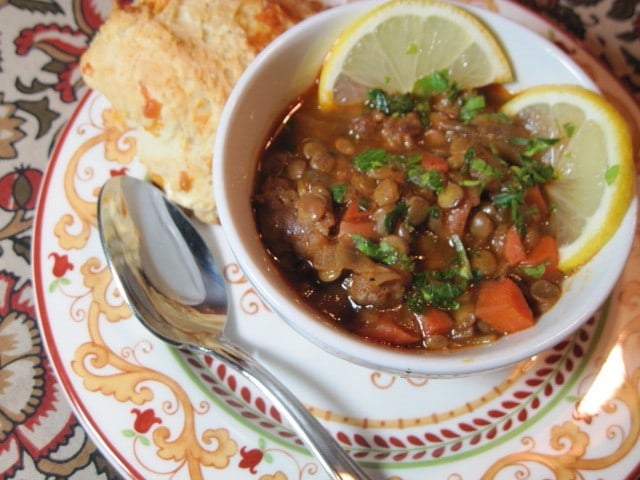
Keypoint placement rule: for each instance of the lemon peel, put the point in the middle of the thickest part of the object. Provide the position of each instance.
(593, 162)
(401, 41)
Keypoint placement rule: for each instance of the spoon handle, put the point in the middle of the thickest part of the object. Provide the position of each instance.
(333, 459)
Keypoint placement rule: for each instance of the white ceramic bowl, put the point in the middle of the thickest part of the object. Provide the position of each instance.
(285, 69)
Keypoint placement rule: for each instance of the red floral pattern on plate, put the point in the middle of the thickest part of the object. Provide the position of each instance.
(39, 88)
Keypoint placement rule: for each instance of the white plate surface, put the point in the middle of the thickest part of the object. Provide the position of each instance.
(165, 414)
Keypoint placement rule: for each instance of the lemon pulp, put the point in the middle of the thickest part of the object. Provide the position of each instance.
(593, 161)
(399, 42)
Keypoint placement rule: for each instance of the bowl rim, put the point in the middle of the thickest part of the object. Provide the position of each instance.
(506, 351)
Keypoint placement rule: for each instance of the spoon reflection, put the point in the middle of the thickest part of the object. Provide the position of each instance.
(174, 287)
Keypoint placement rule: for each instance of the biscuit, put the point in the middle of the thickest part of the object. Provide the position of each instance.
(168, 66)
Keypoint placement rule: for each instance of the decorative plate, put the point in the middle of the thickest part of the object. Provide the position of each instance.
(571, 412)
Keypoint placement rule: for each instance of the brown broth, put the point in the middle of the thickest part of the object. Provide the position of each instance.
(435, 207)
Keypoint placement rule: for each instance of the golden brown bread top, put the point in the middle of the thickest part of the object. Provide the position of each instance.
(168, 66)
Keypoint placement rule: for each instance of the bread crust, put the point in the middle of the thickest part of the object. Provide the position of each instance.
(168, 66)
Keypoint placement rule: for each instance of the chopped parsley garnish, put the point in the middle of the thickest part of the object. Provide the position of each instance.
(412, 49)
(478, 165)
(534, 271)
(471, 106)
(436, 288)
(528, 173)
(388, 103)
(501, 117)
(464, 266)
(513, 200)
(382, 252)
(569, 129)
(392, 218)
(507, 198)
(339, 192)
(531, 172)
(372, 159)
(441, 288)
(364, 203)
(534, 145)
(481, 166)
(434, 212)
(470, 183)
(377, 158)
(432, 179)
(436, 82)
(396, 104)
(611, 174)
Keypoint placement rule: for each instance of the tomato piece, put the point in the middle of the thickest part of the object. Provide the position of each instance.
(433, 162)
(353, 213)
(365, 229)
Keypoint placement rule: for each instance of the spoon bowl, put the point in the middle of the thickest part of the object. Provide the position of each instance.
(172, 283)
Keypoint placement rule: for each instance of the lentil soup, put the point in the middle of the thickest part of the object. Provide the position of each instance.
(417, 220)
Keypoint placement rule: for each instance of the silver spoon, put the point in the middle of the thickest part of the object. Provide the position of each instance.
(173, 285)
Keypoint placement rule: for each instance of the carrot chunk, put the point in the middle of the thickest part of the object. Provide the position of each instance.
(436, 322)
(535, 198)
(382, 327)
(546, 252)
(514, 251)
(501, 304)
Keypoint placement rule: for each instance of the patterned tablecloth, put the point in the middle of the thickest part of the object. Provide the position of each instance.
(40, 45)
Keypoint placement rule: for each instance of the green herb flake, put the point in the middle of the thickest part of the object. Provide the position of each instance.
(364, 203)
(530, 172)
(481, 166)
(372, 159)
(434, 288)
(513, 200)
(502, 117)
(464, 269)
(569, 129)
(534, 271)
(392, 218)
(339, 192)
(470, 183)
(382, 252)
(469, 155)
(412, 49)
(442, 288)
(611, 174)
(475, 164)
(436, 82)
(416, 173)
(389, 104)
(471, 107)
(534, 145)
(432, 179)
(434, 212)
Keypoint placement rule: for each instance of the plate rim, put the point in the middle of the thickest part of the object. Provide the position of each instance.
(82, 410)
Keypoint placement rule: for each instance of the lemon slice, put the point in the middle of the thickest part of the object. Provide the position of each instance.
(593, 162)
(401, 41)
